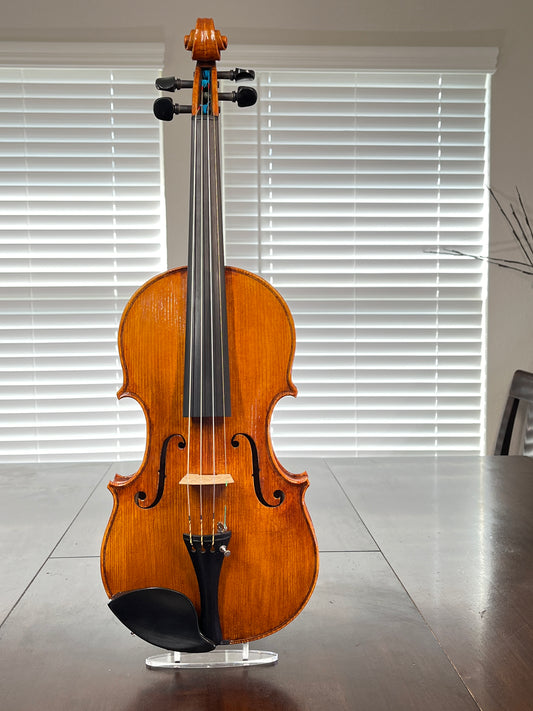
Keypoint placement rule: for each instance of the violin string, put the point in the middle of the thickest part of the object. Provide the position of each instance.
(202, 300)
(211, 315)
(192, 311)
(220, 275)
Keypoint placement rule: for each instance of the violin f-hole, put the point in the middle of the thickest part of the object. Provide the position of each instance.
(141, 495)
(255, 471)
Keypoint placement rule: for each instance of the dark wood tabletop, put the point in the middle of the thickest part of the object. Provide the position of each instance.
(424, 599)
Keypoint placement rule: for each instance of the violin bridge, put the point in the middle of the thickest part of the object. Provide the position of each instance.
(206, 479)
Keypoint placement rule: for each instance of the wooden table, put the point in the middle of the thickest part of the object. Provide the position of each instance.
(424, 600)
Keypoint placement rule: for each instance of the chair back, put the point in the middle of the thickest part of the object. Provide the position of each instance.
(521, 391)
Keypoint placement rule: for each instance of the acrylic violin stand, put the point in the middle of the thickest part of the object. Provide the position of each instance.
(219, 657)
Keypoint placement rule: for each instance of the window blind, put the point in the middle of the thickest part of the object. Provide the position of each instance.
(340, 189)
(81, 212)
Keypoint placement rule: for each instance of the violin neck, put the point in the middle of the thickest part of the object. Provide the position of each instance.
(206, 374)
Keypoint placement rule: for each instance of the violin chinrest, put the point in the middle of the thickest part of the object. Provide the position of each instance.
(162, 617)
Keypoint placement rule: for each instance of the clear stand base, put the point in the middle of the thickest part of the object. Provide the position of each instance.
(219, 657)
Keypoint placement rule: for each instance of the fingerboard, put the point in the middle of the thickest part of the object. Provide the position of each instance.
(206, 391)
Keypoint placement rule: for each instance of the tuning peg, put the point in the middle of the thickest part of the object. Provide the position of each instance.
(165, 109)
(237, 74)
(172, 84)
(244, 96)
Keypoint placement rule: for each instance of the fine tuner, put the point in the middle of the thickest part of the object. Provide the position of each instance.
(165, 109)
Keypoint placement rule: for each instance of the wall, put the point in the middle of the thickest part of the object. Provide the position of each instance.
(506, 24)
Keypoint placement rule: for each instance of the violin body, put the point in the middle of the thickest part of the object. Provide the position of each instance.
(273, 565)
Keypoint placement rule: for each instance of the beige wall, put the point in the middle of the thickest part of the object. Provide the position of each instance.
(508, 25)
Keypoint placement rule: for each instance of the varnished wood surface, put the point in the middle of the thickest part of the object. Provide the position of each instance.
(459, 534)
(424, 598)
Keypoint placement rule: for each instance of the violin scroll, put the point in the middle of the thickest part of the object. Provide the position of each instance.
(205, 42)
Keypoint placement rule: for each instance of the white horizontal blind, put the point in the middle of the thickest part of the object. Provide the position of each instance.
(81, 214)
(340, 187)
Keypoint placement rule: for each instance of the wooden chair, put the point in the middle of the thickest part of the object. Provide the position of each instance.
(521, 390)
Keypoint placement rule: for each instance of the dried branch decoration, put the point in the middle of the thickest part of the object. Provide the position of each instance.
(522, 232)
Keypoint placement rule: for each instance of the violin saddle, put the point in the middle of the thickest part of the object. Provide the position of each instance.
(162, 617)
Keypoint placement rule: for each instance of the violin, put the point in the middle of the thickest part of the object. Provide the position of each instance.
(210, 541)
